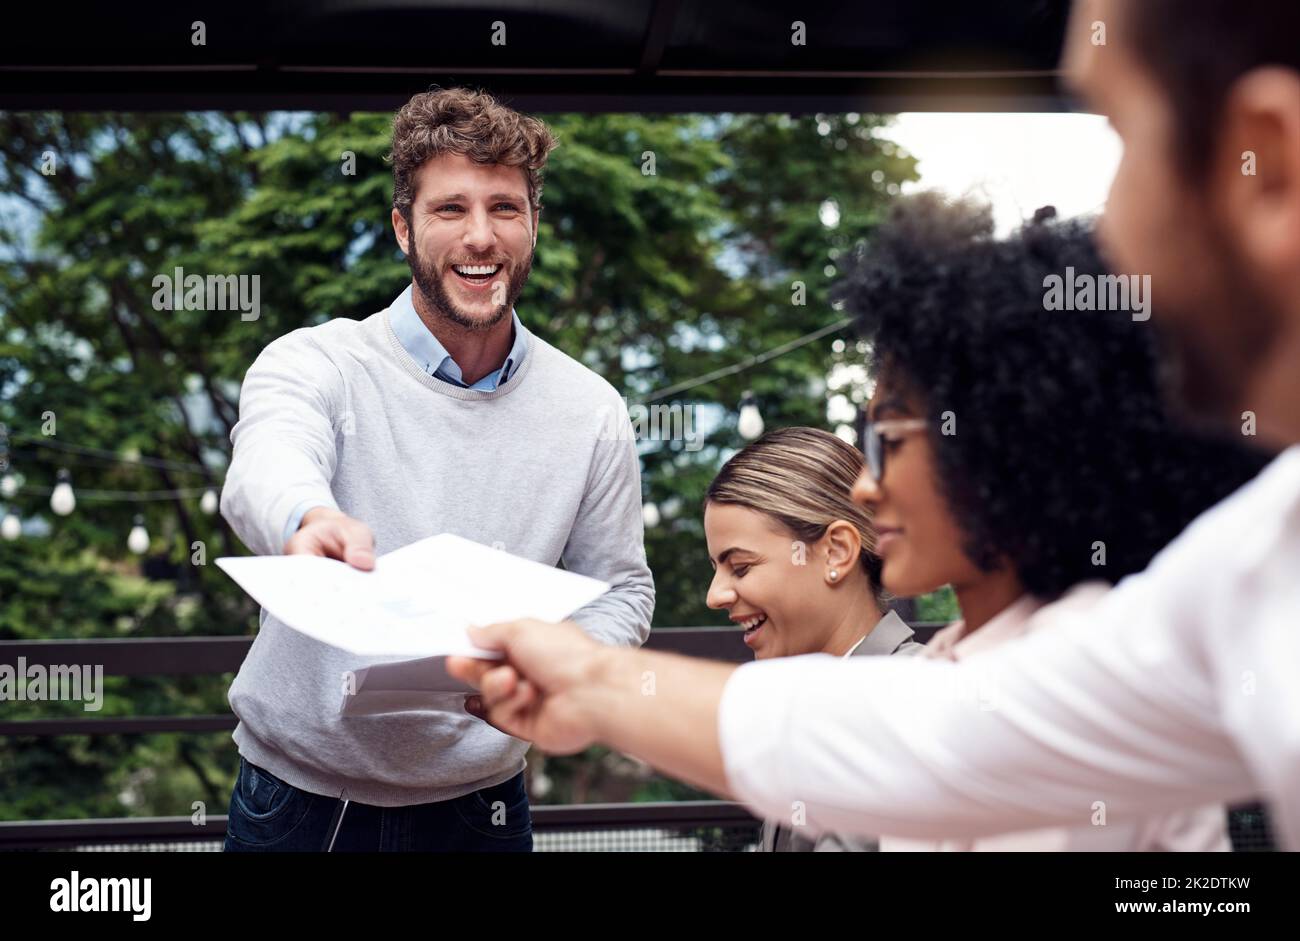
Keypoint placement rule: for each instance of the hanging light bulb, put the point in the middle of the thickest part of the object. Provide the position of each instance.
(750, 425)
(8, 486)
(650, 515)
(63, 501)
(209, 502)
(12, 527)
(138, 540)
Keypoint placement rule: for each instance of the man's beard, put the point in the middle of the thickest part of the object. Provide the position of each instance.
(1213, 342)
(430, 283)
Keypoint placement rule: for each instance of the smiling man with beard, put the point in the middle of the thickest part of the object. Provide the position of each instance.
(469, 237)
(440, 413)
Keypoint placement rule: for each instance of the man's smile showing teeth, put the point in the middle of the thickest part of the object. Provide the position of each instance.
(476, 273)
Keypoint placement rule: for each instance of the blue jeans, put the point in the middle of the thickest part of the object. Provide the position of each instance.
(270, 815)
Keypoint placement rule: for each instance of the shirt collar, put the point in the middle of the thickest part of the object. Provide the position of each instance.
(955, 642)
(432, 356)
(890, 633)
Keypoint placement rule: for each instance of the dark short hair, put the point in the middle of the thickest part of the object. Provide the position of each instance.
(1062, 437)
(1196, 50)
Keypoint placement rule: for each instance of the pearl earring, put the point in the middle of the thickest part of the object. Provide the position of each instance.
(834, 574)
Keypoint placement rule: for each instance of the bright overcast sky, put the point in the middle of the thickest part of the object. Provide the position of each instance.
(1018, 162)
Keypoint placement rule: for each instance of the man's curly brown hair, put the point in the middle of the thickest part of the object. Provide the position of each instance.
(472, 124)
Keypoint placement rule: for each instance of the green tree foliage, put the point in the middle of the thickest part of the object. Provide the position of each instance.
(647, 277)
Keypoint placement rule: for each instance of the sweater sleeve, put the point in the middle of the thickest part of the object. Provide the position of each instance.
(607, 540)
(284, 452)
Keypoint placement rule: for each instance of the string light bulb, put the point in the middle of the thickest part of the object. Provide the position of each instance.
(63, 501)
(138, 540)
(750, 424)
(650, 515)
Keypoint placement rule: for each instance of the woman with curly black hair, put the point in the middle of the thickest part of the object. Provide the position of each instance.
(1019, 454)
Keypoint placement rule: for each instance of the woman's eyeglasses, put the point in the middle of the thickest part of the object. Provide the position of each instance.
(876, 436)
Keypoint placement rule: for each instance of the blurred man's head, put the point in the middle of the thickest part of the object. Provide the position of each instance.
(1205, 96)
(467, 186)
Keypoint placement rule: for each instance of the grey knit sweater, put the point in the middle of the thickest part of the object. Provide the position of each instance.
(542, 467)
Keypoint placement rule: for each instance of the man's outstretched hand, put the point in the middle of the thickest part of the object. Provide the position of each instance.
(335, 535)
(542, 691)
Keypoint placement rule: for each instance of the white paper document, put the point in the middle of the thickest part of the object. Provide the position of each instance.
(411, 610)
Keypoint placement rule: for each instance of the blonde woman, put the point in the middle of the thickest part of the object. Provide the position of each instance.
(795, 567)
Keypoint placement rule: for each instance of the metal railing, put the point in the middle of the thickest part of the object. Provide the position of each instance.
(685, 825)
(673, 826)
(696, 825)
(190, 656)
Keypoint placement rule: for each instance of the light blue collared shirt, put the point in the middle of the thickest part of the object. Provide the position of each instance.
(425, 349)
(434, 359)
